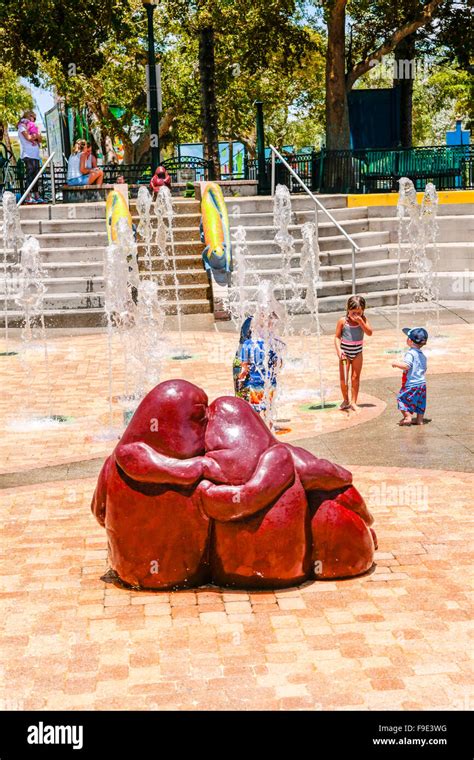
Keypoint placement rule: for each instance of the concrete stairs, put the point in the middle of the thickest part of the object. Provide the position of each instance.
(73, 238)
(376, 273)
(194, 289)
(374, 229)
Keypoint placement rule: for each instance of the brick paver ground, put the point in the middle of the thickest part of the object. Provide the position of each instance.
(395, 638)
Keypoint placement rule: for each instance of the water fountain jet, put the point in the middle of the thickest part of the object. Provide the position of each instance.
(282, 217)
(165, 236)
(13, 238)
(30, 292)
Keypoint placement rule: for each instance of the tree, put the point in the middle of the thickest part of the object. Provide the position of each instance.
(386, 33)
(293, 97)
(456, 35)
(71, 31)
(404, 79)
(66, 44)
(438, 101)
(209, 114)
(15, 100)
(446, 40)
(337, 111)
(121, 82)
(207, 87)
(118, 79)
(269, 28)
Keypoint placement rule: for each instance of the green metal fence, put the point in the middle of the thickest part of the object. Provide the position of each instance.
(373, 171)
(324, 171)
(12, 177)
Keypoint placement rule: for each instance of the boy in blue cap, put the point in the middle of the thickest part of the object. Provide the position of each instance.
(412, 396)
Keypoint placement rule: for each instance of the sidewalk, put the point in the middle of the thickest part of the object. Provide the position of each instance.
(396, 638)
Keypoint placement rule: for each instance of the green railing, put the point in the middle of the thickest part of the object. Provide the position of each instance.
(324, 171)
(373, 171)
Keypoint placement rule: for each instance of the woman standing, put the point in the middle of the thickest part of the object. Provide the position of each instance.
(30, 142)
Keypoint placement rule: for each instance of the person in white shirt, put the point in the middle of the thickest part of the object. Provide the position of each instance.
(30, 141)
(82, 166)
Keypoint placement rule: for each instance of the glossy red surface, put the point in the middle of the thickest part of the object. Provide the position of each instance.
(160, 178)
(196, 493)
(343, 545)
(146, 497)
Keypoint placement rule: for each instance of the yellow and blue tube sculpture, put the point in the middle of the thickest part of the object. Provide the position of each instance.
(215, 233)
(115, 208)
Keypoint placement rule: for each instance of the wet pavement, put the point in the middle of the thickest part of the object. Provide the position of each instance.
(445, 441)
(396, 638)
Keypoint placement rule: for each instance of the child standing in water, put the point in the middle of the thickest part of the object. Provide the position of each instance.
(257, 363)
(349, 341)
(412, 396)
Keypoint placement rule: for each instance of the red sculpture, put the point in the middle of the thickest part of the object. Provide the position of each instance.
(159, 179)
(195, 494)
(146, 495)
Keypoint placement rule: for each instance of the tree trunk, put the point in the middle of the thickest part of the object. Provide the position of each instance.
(403, 78)
(337, 112)
(134, 152)
(209, 118)
(389, 45)
(249, 141)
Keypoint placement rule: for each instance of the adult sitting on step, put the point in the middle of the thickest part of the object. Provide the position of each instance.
(82, 168)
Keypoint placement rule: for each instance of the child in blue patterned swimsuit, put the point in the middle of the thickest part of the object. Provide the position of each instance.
(251, 365)
(412, 396)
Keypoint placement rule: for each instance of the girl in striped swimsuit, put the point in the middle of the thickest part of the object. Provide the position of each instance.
(349, 340)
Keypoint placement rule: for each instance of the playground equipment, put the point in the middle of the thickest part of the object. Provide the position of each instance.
(208, 494)
(217, 255)
(116, 208)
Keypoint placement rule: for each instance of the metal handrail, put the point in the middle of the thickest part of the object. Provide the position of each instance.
(33, 183)
(318, 203)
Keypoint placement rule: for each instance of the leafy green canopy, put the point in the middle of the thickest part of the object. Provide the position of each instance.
(15, 97)
(70, 32)
(94, 54)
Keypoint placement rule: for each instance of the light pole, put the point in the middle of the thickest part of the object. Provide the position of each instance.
(261, 163)
(150, 6)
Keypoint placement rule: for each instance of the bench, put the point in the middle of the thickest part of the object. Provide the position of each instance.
(370, 180)
(91, 193)
(420, 168)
